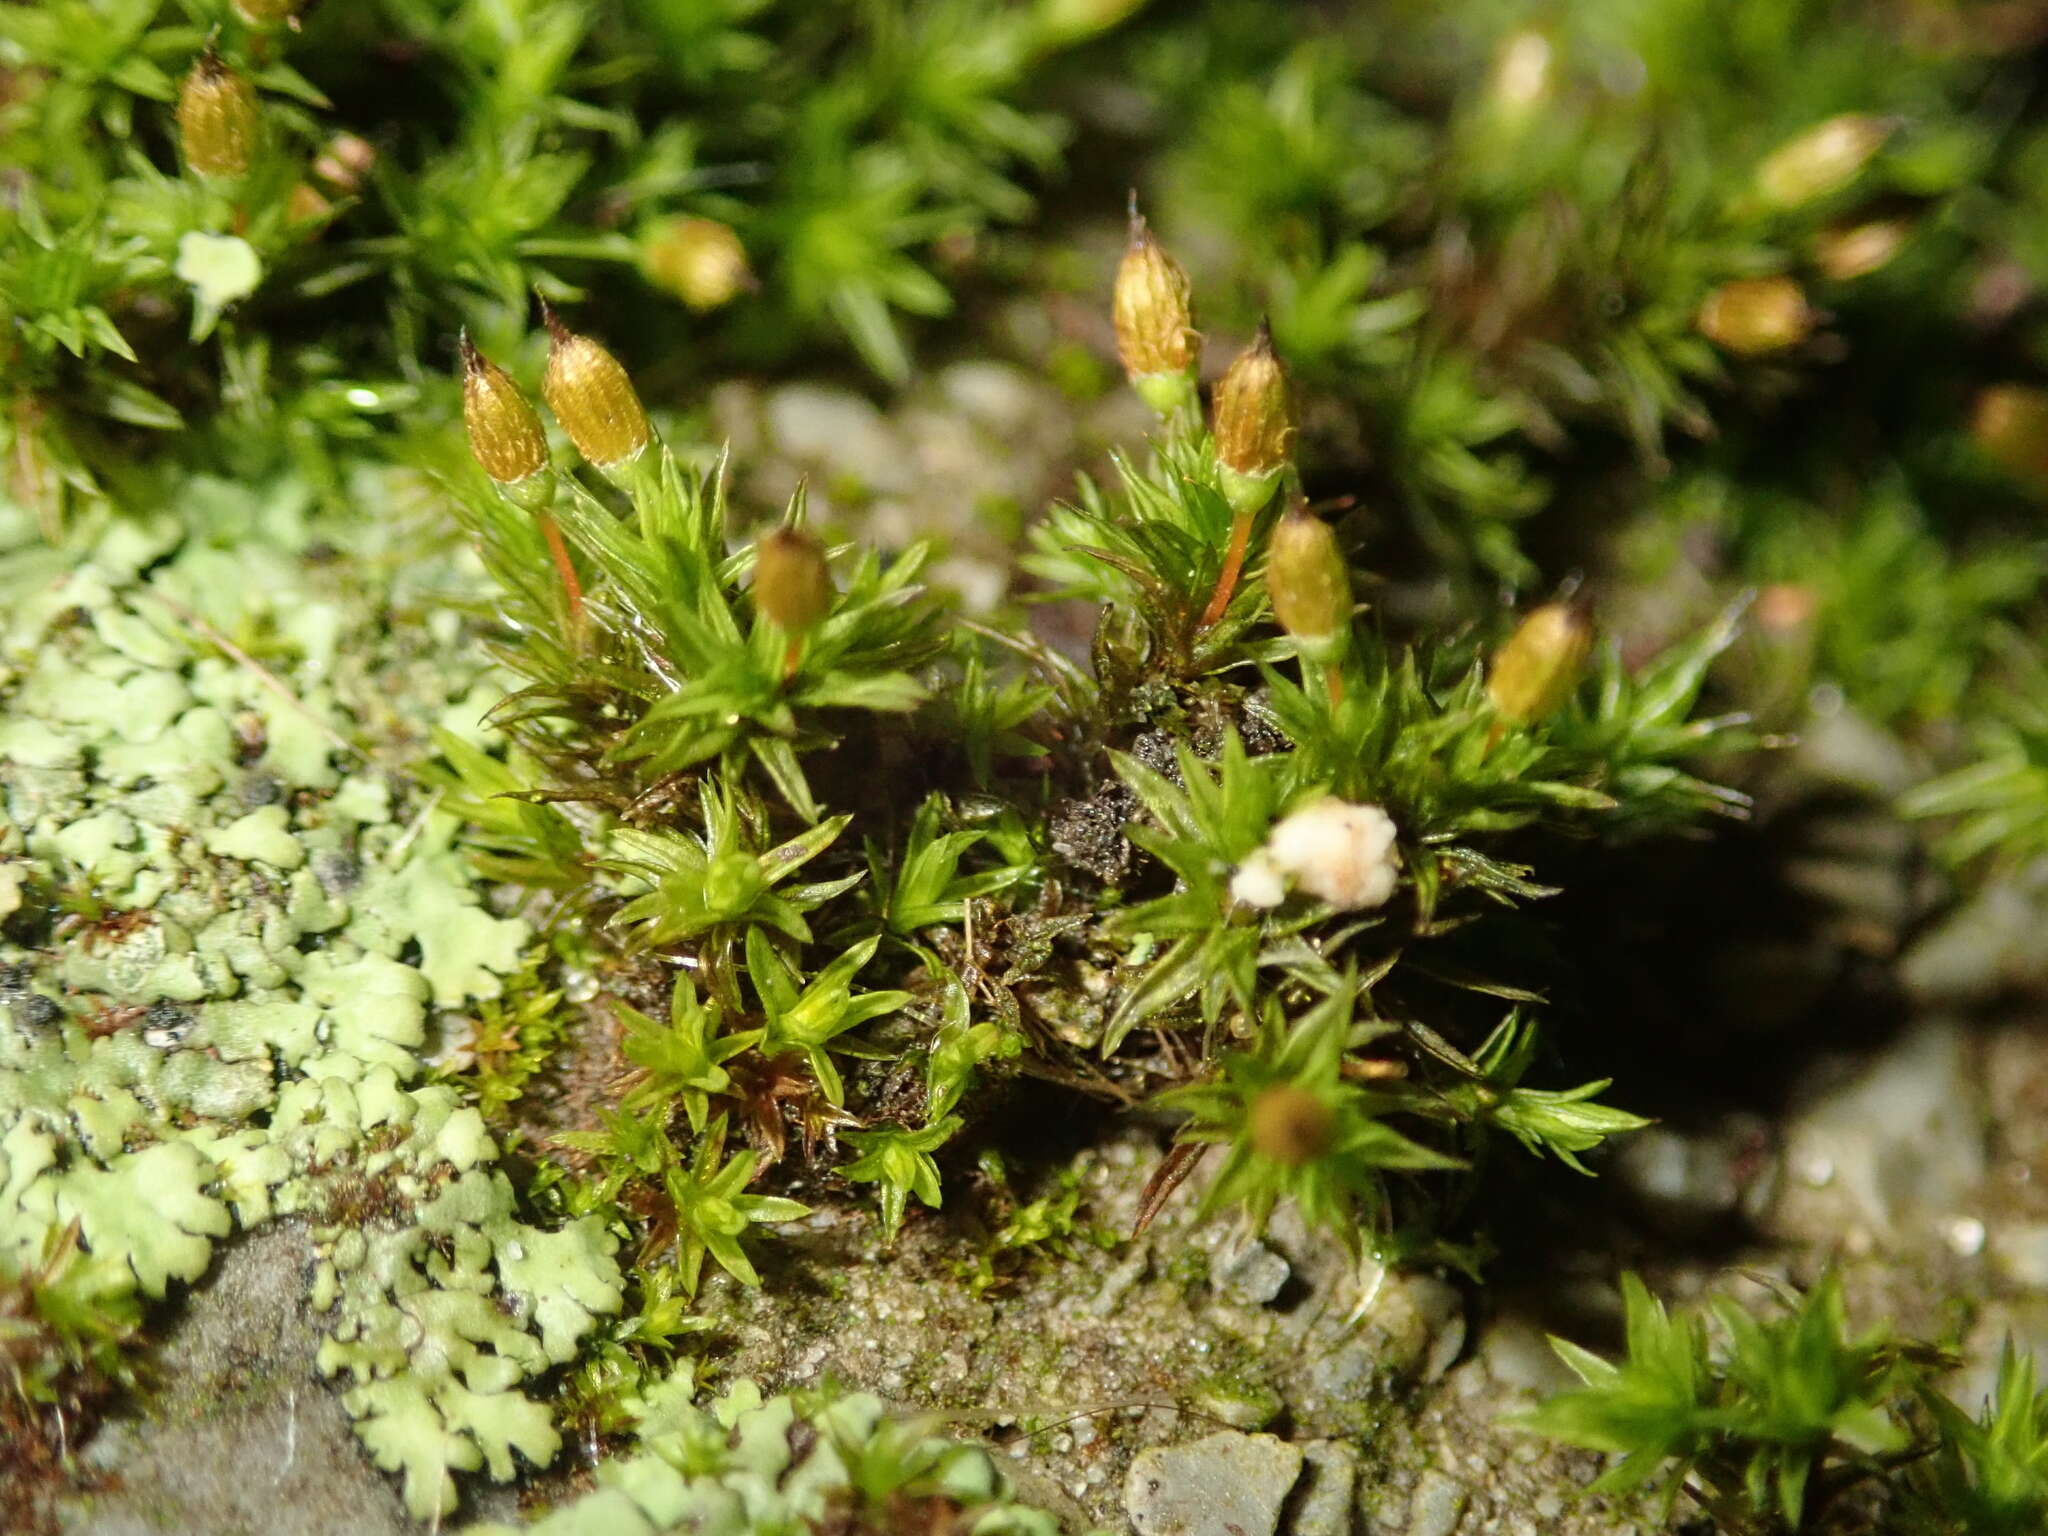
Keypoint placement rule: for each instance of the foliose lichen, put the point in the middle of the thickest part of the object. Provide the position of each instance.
(227, 935)
(816, 1460)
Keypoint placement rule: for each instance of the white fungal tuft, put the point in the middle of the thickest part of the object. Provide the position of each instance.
(1259, 882)
(1341, 853)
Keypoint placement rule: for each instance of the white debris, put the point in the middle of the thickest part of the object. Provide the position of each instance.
(1339, 852)
(1259, 882)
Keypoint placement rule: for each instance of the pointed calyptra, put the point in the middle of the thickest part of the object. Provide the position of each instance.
(505, 433)
(1254, 424)
(1155, 332)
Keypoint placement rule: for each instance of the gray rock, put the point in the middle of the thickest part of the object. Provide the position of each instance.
(1989, 945)
(1838, 745)
(1413, 1330)
(2020, 1249)
(245, 1437)
(1235, 1401)
(1382, 1511)
(1328, 1480)
(1519, 1358)
(1436, 1504)
(1901, 1144)
(838, 432)
(1436, 1323)
(1116, 1285)
(1254, 1274)
(997, 396)
(1225, 1484)
(1691, 1183)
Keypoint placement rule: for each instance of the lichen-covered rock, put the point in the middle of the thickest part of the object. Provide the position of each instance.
(226, 936)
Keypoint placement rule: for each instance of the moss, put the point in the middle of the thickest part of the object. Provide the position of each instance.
(1242, 1402)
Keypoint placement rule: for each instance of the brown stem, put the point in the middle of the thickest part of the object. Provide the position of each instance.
(1233, 567)
(1334, 678)
(1171, 1173)
(571, 587)
(792, 656)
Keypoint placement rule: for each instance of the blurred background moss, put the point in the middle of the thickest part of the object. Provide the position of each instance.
(1686, 296)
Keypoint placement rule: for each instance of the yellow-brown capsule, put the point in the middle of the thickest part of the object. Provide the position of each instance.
(700, 261)
(1824, 159)
(504, 429)
(1849, 251)
(1290, 1125)
(1785, 608)
(1155, 327)
(1753, 316)
(2009, 422)
(792, 587)
(1308, 584)
(218, 120)
(592, 397)
(1539, 666)
(304, 205)
(1254, 424)
(269, 13)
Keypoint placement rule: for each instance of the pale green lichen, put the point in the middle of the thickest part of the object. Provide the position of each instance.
(225, 953)
(794, 1462)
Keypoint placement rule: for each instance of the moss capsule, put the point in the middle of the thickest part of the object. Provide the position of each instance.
(218, 120)
(504, 429)
(1154, 315)
(1535, 672)
(1824, 159)
(1753, 316)
(1254, 424)
(2009, 423)
(592, 397)
(700, 261)
(1309, 583)
(1290, 1125)
(792, 586)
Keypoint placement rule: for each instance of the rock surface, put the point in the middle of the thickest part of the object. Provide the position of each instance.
(246, 1437)
(1225, 1484)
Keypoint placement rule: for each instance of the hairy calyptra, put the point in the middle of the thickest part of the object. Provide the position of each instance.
(1155, 327)
(591, 395)
(218, 120)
